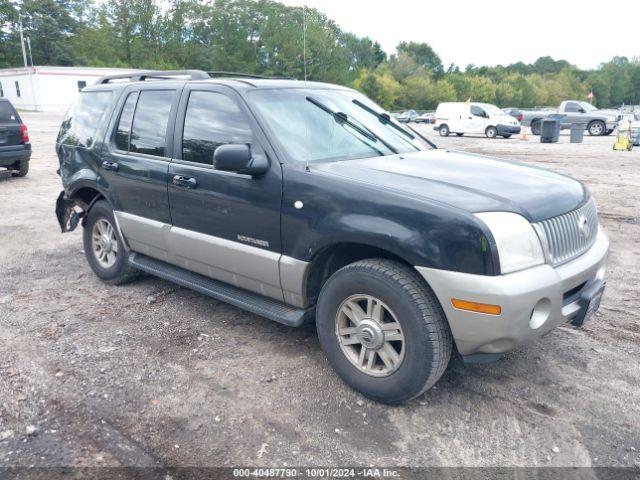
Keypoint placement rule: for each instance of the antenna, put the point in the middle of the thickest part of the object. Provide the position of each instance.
(304, 61)
(304, 40)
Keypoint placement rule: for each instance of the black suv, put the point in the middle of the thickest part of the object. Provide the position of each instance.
(301, 201)
(15, 149)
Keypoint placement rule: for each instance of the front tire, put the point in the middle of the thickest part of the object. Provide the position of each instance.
(21, 168)
(103, 247)
(597, 128)
(459, 134)
(506, 136)
(383, 330)
(491, 132)
(444, 130)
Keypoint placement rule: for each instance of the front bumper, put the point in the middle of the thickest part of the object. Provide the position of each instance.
(508, 129)
(533, 301)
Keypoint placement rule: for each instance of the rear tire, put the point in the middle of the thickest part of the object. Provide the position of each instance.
(459, 134)
(444, 130)
(407, 308)
(21, 168)
(535, 127)
(491, 132)
(104, 248)
(506, 136)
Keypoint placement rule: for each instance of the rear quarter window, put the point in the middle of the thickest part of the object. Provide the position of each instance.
(83, 119)
(7, 113)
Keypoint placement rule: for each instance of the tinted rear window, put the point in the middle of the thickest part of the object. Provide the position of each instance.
(149, 131)
(7, 113)
(83, 118)
(124, 124)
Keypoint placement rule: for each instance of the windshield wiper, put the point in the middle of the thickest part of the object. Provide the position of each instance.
(342, 118)
(385, 118)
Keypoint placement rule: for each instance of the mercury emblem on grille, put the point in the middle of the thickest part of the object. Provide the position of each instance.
(583, 226)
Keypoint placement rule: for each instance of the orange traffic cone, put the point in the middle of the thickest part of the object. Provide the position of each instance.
(523, 134)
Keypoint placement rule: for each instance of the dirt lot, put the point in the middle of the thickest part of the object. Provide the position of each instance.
(152, 374)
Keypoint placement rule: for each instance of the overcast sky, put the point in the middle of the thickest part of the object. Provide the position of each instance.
(585, 33)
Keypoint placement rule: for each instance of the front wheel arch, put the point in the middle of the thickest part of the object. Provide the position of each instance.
(333, 257)
(491, 131)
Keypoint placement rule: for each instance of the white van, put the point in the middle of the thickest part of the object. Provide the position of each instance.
(470, 117)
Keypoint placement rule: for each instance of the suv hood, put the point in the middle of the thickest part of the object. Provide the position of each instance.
(474, 183)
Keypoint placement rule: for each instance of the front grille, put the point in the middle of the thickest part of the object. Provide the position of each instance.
(570, 235)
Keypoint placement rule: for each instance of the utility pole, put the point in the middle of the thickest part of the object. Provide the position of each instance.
(24, 53)
(30, 54)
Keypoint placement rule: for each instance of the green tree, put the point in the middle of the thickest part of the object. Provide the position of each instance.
(380, 85)
(423, 55)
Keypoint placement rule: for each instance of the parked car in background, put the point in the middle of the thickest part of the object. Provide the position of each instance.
(596, 121)
(402, 252)
(407, 116)
(476, 118)
(514, 112)
(426, 117)
(15, 149)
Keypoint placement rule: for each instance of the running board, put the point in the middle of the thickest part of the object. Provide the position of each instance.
(252, 302)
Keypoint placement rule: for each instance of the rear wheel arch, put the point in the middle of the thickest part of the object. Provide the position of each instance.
(85, 197)
(535, 126)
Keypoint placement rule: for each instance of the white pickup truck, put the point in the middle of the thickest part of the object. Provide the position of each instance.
(596, 122)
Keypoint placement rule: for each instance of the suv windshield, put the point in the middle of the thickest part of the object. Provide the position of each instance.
(314, 125)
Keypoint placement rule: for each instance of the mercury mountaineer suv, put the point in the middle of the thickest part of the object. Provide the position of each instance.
(305, 201)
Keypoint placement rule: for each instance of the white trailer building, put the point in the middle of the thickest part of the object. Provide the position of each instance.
(49, 88)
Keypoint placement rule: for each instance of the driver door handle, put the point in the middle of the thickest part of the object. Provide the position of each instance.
(184, 182)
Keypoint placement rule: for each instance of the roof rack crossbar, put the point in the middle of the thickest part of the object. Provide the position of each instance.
(155, 75)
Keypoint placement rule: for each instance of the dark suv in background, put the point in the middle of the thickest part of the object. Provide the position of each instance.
(15, 149)
(301, 201)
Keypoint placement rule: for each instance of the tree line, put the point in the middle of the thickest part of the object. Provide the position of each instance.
(265, 37)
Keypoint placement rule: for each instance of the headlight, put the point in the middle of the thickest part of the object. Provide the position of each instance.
(518, 244)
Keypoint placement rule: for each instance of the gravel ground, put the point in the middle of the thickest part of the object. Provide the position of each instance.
(150, 374)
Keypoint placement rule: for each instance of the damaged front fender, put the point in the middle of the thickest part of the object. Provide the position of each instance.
(68, 213)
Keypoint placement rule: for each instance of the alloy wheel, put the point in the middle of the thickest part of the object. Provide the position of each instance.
(370, 335)
(104, 243)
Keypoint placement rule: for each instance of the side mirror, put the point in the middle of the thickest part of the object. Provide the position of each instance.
(237, 158)
(582, 110)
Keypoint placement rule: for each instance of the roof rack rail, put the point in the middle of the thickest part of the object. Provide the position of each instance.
(221, 73)
(155, 75)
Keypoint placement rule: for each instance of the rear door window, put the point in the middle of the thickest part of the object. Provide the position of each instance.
(7, 113)
(212, 119)
(124, 124)
(83, 119)
(149, 129)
